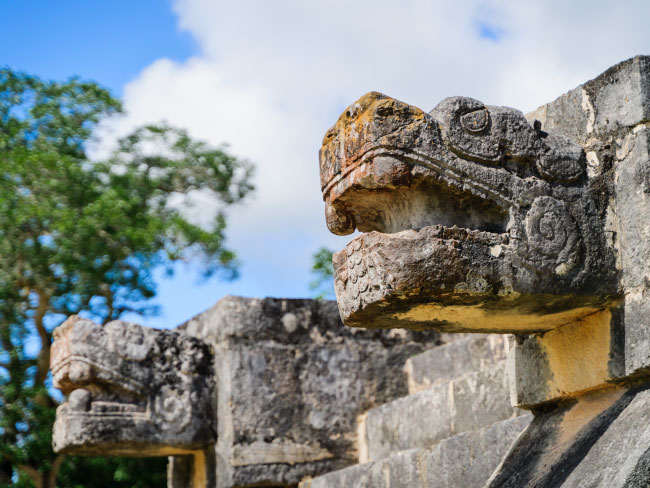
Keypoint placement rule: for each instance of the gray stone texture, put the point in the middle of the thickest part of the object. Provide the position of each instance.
(419, 420)
(600, 440)
(465, 460)
(465, 355)
(610, 117)
(473, 220)
(130, 390)
(291, 383)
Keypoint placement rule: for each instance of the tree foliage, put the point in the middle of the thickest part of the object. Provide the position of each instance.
(84, 236)
(323, 272)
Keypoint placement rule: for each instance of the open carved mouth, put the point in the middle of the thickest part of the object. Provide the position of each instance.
(468, 214)
(413, 201)
(97, 390)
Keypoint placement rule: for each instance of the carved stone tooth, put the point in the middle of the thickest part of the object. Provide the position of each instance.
(339, 221)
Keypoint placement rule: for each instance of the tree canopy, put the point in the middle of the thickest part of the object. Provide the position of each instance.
(82, 236)
(323, 272)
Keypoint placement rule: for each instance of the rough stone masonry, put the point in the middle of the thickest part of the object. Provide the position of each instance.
(249, 393)
(474, 218)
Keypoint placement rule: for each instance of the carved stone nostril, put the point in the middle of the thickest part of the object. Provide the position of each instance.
(79, 400)
(329, 135)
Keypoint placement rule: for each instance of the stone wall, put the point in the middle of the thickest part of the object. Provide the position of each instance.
(473, 219)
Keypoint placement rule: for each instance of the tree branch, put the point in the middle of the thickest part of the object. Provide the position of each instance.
(30, 471)
(54, 470)
(43, 361)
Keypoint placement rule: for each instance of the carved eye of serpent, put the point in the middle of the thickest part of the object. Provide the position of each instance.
(476, 121)
(466, 126)
(553, 239)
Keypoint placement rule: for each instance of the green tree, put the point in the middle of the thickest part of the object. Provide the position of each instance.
(323, 272)
(82, 236)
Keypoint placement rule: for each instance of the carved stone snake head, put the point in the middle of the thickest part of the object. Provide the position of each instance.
(472, 219)
(131, 390)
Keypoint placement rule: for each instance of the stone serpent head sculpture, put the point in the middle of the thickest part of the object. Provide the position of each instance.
(132, 390)
(472, 219)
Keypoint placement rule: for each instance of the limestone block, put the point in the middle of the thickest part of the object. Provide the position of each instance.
(599, 440)
(620, 457)
(469, 459)
(465, 460)
(566, 362)
(455, 359)
(131, 390)
(464, 404)
(292, 382)
(618, 98)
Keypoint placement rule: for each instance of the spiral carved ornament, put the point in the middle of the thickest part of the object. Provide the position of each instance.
(553, 237)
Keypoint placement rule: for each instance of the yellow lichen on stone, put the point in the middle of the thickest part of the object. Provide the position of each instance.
(578, 355)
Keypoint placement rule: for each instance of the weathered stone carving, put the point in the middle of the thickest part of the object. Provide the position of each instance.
(474, 219)
(477, 220)
(131, 390)
(249, 393)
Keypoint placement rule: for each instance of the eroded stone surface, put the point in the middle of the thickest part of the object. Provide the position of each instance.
(474, 219)
(599, 440)
(292, 382)
(131, 390)
(465, 460)
(458, 358)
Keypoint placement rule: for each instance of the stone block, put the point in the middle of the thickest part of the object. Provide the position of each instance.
(599, 440)
(618, 98)
(468, 459)
(464, 460)
(420, 420)
(292, 382)
(566, 362)
(449, 361)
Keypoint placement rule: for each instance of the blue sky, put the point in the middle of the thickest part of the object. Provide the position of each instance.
(271, 77)
(107, 41)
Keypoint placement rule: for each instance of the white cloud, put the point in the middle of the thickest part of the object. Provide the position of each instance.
(271, 77)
